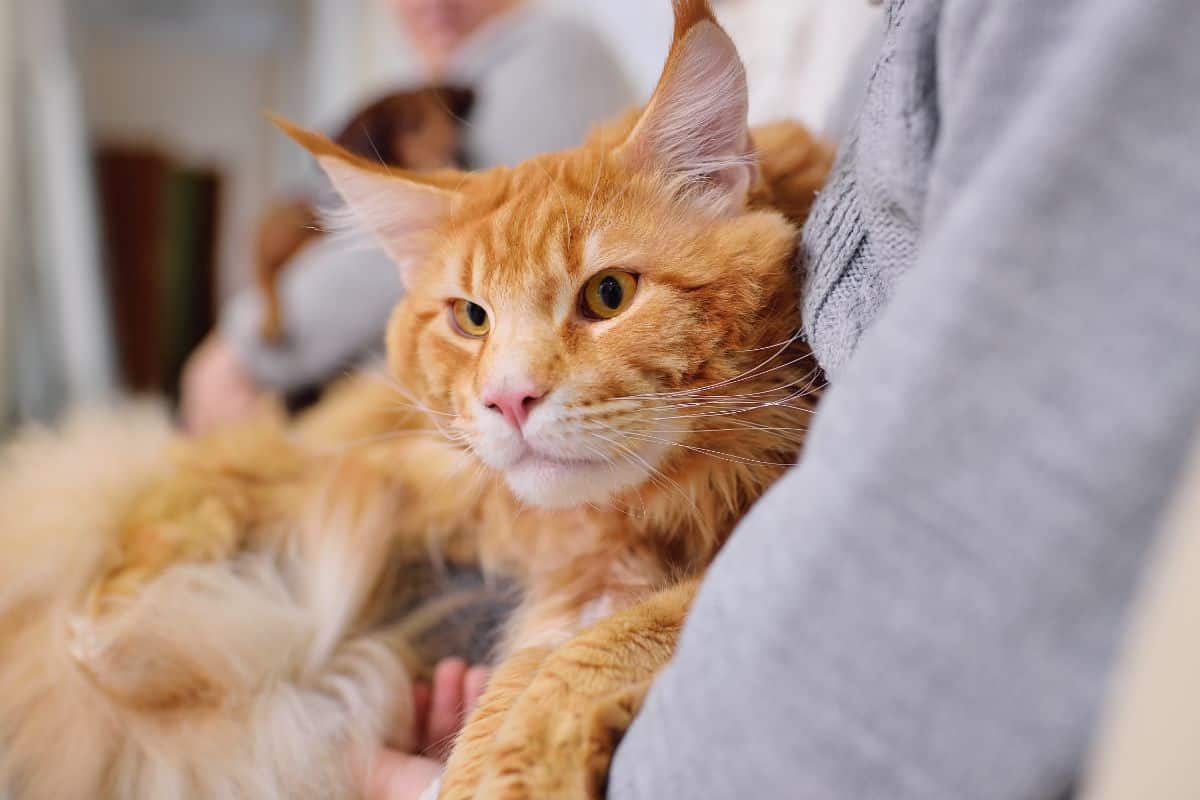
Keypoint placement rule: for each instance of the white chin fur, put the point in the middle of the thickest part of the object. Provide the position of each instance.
(551, 484)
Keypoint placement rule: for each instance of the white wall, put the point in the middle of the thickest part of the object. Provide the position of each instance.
(355, 51)
(60, 226)
(8, 200)
(639, 31)
(203, 105)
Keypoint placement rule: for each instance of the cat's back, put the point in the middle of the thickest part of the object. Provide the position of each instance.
(794, 163)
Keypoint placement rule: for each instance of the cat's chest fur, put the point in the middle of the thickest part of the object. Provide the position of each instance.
(575, 566)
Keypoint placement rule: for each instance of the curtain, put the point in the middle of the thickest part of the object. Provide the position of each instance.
(58, 350)
(8, 208)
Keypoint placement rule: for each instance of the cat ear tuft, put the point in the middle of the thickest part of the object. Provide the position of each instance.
(694, 128)
(398, 208)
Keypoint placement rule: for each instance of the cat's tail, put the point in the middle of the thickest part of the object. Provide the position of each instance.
(242, 678)
(62, 494)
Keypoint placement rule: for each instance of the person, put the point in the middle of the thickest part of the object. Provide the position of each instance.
(1001, 284)
(441, 706)
(521, 60)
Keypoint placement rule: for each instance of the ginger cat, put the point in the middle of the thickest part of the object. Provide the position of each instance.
(595, 372)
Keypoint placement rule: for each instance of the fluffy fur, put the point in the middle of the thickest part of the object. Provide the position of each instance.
(216, 618)
(237, 672)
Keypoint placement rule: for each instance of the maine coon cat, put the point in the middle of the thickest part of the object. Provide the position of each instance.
(595, 372)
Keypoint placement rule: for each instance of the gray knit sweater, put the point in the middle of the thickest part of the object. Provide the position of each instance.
(1004, 285)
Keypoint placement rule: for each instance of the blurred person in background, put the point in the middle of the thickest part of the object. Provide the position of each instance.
(540, 80)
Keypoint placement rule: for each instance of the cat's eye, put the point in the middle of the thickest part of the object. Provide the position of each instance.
(471, 319)
(608, 293)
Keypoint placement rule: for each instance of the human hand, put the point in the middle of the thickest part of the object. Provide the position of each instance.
(215, 389)
(441, 709)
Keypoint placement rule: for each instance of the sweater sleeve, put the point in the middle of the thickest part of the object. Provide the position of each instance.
(336, 298)
(927, 607)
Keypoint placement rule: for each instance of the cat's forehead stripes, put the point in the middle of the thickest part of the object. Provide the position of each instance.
(530, 242)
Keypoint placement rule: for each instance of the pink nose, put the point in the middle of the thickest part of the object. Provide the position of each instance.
(514, 404)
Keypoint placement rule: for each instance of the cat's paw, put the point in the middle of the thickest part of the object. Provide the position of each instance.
(473, 749)
(555, 743)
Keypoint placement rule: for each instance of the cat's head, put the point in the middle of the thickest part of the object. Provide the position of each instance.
(561, 315)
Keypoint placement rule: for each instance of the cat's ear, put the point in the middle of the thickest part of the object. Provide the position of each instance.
(694, 128)
(400, 208)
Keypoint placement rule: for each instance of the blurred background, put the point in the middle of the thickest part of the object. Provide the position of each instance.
(136, 167)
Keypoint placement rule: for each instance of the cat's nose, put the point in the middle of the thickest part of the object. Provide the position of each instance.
(514, 404)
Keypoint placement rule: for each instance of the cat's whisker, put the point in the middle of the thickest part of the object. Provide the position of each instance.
(733, 398)
(701, 409)
(782, 434)
(649, 476)
(403, 391)
(735, 406)
(758, 372)
(654, 478)
(749, 374)
(776, 353)
(734, 411)
(804, 391)
(378, 156)
(367, 441)
(784, 343)
(764, 429)
(728, 398)
(653, 473)
(805, 378)
(611, 505)
(474, 480)
(410, 401)
(609, 459)
(643, 417)
(730, 404)
(715, 453)
(751, 398)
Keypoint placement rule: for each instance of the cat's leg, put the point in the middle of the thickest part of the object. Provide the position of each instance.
(539, 626)
(558, 734)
